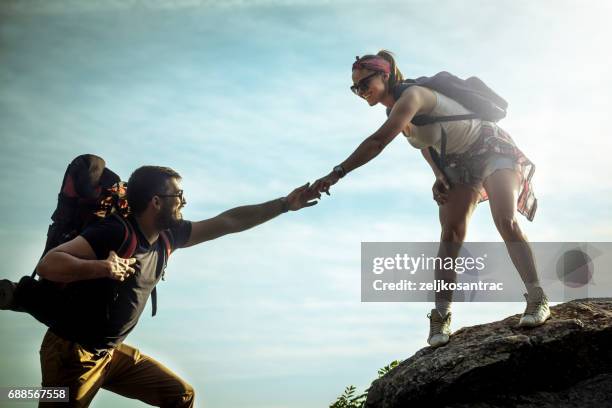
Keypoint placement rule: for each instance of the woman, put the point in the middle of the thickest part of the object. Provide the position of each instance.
(482, 163)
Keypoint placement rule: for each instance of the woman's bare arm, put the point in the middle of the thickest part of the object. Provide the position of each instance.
(405, 109)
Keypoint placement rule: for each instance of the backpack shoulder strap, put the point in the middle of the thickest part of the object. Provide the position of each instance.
(154, 301)
(166, 241)
(423, 120)
(399, 88)
(439, 159)
(167, 251)
(130, 241)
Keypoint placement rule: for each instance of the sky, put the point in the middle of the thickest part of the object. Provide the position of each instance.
(248, 100)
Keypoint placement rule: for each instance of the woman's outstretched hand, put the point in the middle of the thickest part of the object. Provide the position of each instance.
(440, 189)
(323, 184)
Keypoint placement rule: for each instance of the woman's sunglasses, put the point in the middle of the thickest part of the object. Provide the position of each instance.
(363, 84)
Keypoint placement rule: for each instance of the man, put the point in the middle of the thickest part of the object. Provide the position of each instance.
(106, 294)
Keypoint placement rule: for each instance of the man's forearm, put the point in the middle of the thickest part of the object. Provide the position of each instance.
(62, 267)
(248, 216)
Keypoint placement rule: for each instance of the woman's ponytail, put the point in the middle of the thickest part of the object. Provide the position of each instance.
(395, 76)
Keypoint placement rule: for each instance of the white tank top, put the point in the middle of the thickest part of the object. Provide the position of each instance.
(460, 133)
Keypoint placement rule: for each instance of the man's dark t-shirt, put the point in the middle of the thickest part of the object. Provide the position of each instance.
(102, 312)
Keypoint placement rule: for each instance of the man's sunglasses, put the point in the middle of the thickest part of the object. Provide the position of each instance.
(363, 84)
(178, 194)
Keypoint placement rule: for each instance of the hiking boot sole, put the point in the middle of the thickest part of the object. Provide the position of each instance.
(531, 322)
(438, 340)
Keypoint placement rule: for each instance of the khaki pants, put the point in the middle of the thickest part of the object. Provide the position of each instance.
(124, 371)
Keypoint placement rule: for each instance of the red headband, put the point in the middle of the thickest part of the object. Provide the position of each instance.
(374, 64)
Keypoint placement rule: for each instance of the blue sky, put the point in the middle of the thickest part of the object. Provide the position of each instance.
(248, 100)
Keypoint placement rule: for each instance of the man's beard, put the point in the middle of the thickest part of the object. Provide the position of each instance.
(168, 219)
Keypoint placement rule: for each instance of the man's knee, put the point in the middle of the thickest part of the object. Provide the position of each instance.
(189, 392)
(185, 396)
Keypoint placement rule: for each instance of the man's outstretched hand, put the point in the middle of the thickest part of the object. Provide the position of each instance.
(301, 197)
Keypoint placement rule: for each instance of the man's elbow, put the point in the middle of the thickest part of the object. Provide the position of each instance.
(43, 269)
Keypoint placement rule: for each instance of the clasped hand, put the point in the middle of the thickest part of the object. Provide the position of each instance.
(323, 184)
(306, 195)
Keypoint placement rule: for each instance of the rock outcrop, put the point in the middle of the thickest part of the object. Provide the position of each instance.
(565, 363)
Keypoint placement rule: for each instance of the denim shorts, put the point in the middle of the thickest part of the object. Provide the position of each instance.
(493, 150)
(475, 172)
